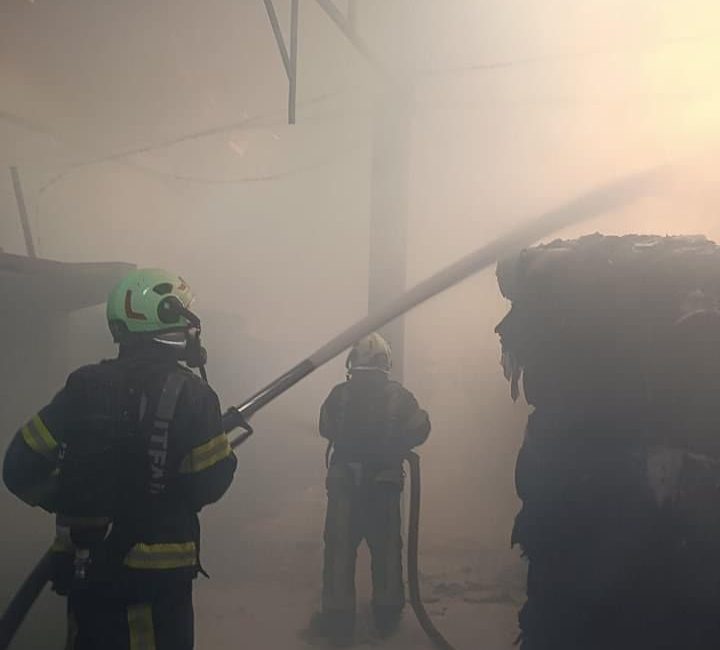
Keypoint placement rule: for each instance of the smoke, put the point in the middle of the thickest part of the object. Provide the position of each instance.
(157, 134)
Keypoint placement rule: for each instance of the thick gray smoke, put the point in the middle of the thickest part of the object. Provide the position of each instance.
(156, 134)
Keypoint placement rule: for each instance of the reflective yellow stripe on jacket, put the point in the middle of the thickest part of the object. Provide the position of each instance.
(37, 436)
(161, 556)
(206, 455)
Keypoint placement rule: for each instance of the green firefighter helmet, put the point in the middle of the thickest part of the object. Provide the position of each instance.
(144, 305)
(370, 353)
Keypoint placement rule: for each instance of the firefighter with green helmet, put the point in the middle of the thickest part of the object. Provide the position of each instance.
(371, 423)
(126, 455)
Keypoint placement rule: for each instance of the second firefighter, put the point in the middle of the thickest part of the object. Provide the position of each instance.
(371, 423)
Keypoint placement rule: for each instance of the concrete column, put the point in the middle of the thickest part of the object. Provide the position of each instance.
(389, 210)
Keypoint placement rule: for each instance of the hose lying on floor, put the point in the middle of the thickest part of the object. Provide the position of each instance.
(413, 542)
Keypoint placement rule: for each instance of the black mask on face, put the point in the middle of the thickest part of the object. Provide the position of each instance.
(194, 354)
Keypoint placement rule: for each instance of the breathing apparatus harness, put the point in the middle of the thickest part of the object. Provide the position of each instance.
(89, 537)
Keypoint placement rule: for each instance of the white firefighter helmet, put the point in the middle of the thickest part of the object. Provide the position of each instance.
(370, 353)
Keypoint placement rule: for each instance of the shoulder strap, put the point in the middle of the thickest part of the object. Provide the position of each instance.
(393, 395)
(167, 404)
(158, 441)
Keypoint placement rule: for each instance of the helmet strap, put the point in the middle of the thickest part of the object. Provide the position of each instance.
(195, 355)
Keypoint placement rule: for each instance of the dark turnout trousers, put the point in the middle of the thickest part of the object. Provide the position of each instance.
(99, 620)
(363, 504)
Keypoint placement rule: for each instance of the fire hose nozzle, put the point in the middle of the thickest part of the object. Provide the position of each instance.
(233, 419)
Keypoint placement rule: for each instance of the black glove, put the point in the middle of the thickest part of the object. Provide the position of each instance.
(234, 419)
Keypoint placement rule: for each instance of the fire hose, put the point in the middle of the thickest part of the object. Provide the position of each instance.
(594, 203)
(438, 640)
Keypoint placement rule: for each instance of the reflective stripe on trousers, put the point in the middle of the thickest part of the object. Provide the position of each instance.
(107, 621)
(140, 625)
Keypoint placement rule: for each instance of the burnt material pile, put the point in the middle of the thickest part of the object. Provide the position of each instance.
(616, 343)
